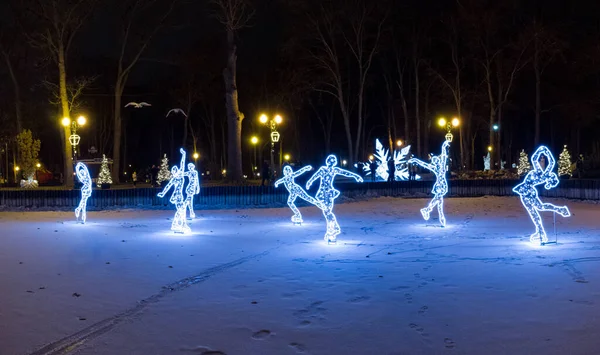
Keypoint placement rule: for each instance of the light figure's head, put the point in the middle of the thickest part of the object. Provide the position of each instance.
(287, 170)
(551, 182)
(81, 171)
(174, 170)
(331, 161)
(191, 166)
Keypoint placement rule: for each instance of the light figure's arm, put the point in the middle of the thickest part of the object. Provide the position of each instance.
(166, 189)
(349, 174)
(445, 147)
(302, 171)
(314, 177)
(280, 181)
(182, 162)
(422, 164)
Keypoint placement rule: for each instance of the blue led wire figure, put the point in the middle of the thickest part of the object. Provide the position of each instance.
(327, 193)
(529, 194)
(86, 190)
(192, 188)
(295, 190)
(177, 180)
(439, 167)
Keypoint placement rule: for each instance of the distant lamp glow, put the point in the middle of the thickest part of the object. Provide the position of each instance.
(81, 120)
(442, 122)
(38, 165)
(66, 121)
(326, 194)
(17, 168)
(278, 119)
(254, 140)
(455, 122)
(344, 162)
(371, 157)
(295, 190)
(495, 127)
(439, 167)
(286, 157)
(196, 156)
(263, 118)
(489, 148)
(83, 175)
(529, 194)
(224, 171)
(398, 142)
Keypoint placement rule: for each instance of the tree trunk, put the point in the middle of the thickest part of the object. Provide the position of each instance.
(118, 126)
(17, 92)
(417, 94)
(538, 108)
(64, 103)
(234, 116)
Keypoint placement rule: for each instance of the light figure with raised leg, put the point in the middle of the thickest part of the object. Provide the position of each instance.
(178, 174)
(86, 190)
(192, 188)
(327, 193)
(439, 167)
(295, 190)
(529, 194)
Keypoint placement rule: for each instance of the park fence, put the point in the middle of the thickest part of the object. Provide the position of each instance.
(268, 196)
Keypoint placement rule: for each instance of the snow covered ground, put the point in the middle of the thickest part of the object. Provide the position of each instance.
(250, 282)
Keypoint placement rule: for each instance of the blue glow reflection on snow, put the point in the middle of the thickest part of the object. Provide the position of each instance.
(326, 194)
(529, 194)
(295, 190)
(83, 175)
(439, 167)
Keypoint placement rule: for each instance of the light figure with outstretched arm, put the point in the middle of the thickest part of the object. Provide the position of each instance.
(439, 167)
(295, 190)
(327, 193)
(192, 188)
(178, 174)
(86, 190)
(529, 194)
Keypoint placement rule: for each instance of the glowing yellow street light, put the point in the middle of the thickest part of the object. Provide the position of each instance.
(196, 156)
(254, 140)
(489, 148)
(371, 157)
(66, 121)
(278, 119)
(455, 122)
(81, 120)
(38, 165)
(286, 157)
(17, 168)
(442, 122)
(398, 142)
(263, 118)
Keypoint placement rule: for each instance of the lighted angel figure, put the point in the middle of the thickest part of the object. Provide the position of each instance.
(529, 194)
(86, 190)
(439, 167)
(327, 193)
(177, 180)
(295, 190)
(192, 188)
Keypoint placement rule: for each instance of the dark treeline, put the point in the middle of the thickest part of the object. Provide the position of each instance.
(340, 73)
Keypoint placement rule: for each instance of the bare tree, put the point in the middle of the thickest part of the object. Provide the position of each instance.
(137, 34)
(233, 15)
(9, 48)
(56, 24)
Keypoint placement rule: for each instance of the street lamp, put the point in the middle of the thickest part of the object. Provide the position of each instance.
(399, 143)
(254, 141)
(286, 157)
(275, 136)
(489, 148)
(74, 138)
(454, 123)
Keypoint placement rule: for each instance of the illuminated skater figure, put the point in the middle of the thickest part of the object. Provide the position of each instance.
(439, 167)
(179, 224)
(192, 188)
(529, 195)
(327, 193)
(86, 190)
(295, 190)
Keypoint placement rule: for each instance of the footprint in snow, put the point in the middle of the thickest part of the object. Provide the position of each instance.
(261, 334)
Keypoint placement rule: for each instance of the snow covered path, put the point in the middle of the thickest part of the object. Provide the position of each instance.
(250, 282)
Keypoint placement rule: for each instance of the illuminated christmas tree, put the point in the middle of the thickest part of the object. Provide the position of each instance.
(104, 176)
(164, 174)
(564, 162)
(524, 165)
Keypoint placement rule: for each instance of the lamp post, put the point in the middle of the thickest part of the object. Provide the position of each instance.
(455, 122)
(74, 138)
(272, 123)
(254, 141)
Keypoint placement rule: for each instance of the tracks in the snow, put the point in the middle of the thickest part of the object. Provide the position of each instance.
(72, 342)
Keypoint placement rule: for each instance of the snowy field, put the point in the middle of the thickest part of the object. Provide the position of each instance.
(250, 282)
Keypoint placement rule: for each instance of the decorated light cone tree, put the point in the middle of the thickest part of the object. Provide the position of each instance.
(29, 149)
(524, 165)
(564, 163)
(163, 173)
(104, 177)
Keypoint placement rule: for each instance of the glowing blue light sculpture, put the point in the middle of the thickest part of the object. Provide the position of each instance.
(192, 188)
(529, 194)
(382, 156)
(83, 175)
(178, 174)
(295, 190)
(327, 193)
(439, 167)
